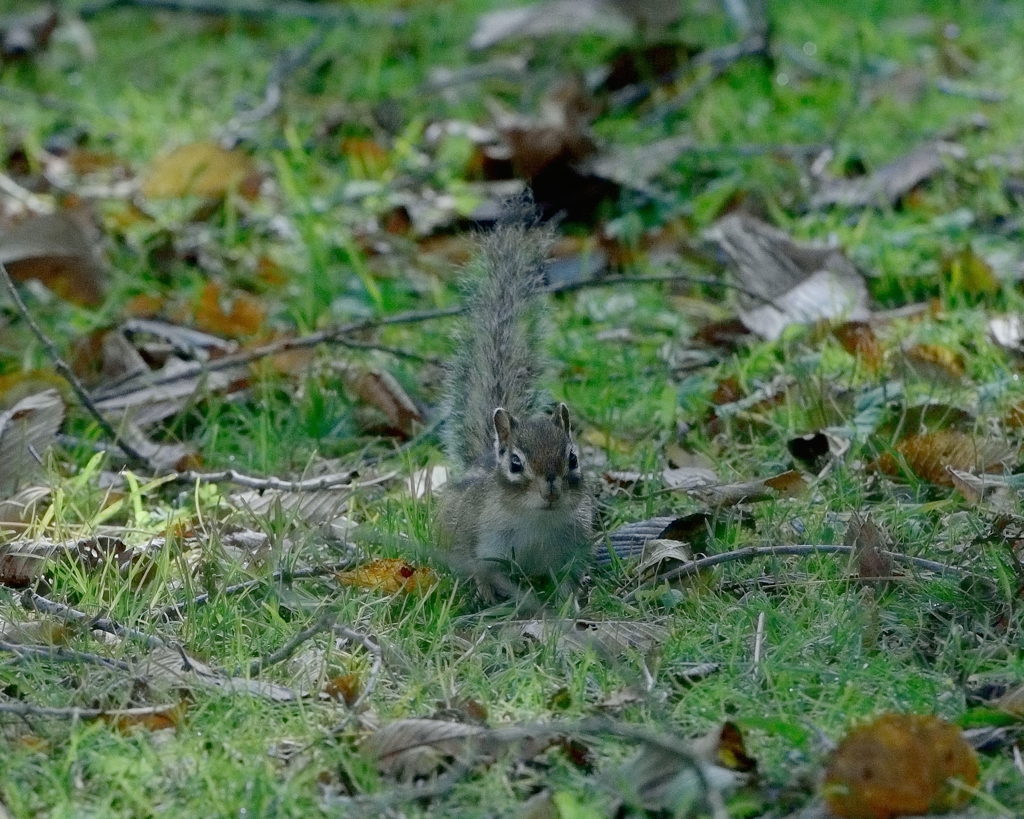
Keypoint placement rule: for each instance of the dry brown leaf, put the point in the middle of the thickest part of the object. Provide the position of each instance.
(390, 575)
(169, 668)
(869, 546)
(58, 250)
(26, 431)
(630, 540)
(411, 748)
(235, 315)
(661, 556)
(201, 168)
(889, 183)
(859, 340)
(794, 282)
(157, 719)
(899, 765)
(381, 390)
(929, 455)
(408, 749)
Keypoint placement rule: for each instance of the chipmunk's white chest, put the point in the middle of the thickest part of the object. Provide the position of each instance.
(536, 542)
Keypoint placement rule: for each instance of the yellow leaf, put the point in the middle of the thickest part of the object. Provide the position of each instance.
(201, 169)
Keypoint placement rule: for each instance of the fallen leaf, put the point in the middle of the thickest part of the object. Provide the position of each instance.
(899, 765)
(236, 315)
(26, 431)
(968, 272)
(390, 575)
(170, 668)
(859, 340)
(381, 390)
(889, 183)
(869, 548)
(56, 250)
(200, 168)
(409, 749)
(661, 556)
(674, 776)
(935, 363)
(611, 638)
(794, 283)
(545, 19)
(159, 718)
(24, 507)
(313, 506)
(630, 541)
(929, 455)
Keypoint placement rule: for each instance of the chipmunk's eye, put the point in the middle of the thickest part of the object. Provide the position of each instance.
(574, 462)
(515, 465)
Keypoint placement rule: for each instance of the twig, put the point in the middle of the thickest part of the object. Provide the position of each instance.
(801, 550)
(68, 374)
(175, 610)
(277, 484)
(27, 710)
(286, 64)
(36, 602)
(59, 654)
(332, 13)
(323, 623)
(378, 661)
(758, 641)
(337, 335)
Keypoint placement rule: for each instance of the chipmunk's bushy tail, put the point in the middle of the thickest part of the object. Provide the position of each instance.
(498, 359)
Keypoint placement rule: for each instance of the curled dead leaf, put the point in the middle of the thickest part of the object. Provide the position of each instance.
(899, 765)
(390, 575)
(928, 456)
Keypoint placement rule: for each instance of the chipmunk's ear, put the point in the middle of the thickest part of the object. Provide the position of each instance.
(503, 426)
(561, 417)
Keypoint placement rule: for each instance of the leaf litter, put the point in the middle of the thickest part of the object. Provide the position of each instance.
(720, 448)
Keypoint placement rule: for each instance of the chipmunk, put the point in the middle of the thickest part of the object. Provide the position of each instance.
(517, 507)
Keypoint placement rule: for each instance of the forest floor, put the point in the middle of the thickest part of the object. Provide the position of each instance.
(786, 314)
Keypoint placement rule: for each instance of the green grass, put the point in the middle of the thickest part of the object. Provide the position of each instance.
(836, 652)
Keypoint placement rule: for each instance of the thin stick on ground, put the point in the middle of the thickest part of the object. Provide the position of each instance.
(798, 550)
(338, 334)
(279, 484)
(24, 709)
(65, 372)
(60, 654)
(36, 602)
(323, 623)
(758, 641)
(176, 610)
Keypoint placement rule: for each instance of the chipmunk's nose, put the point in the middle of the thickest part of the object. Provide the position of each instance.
(552, 488)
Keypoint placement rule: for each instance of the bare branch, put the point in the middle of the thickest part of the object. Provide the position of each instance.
(323, 623)
(24, 709)
(36, 602)
(60, 654)
(68, 374)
